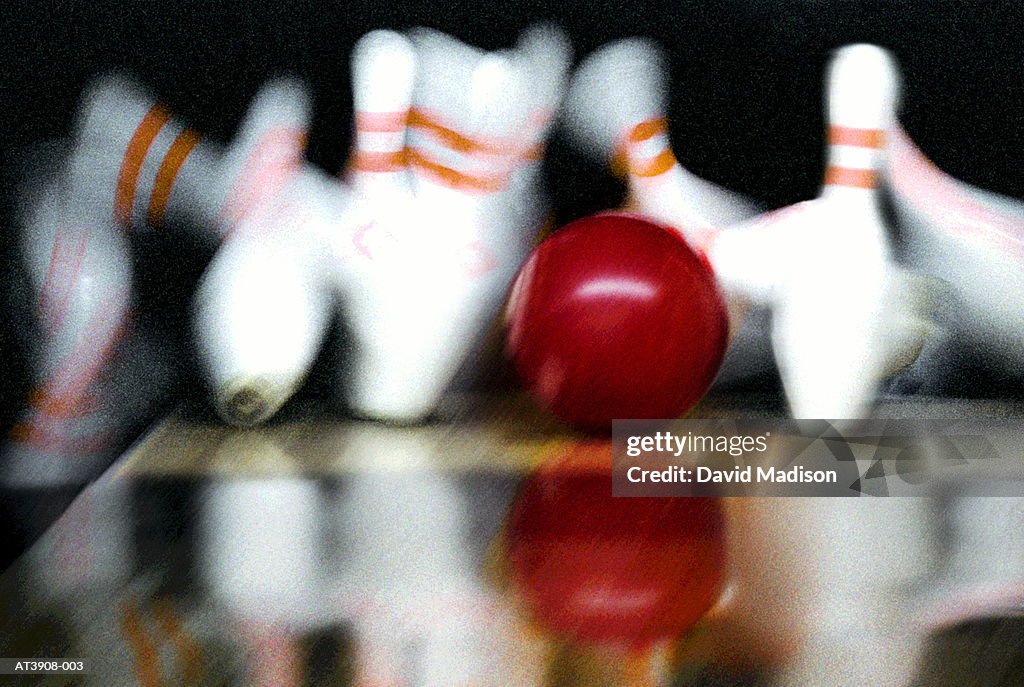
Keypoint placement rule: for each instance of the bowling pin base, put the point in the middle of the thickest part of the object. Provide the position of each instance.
(252, 401)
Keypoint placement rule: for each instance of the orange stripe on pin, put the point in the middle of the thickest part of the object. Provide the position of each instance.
(624, 162)
(368, 161)
(652, 167)
(851, 178)
(648, 129)
(860, 138)
(453, 178)
(458, 142)
(168, 173)
(134, 157)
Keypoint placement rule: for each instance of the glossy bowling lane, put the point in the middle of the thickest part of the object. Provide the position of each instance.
(486, 549)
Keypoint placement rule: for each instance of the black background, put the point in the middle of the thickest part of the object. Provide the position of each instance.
(746, 100)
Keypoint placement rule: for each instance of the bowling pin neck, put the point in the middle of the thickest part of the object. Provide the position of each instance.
(643, 151)
(862, 91)
(383, 74)
(615, 89)
(139, 164)
(378, 160)
(854, 160)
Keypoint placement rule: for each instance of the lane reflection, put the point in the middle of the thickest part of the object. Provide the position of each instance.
(401, 566)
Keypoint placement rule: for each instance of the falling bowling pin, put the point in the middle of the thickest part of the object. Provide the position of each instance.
(258, 321)
(262, 306)
(79, 273)
(785, 261)
(137, 165)
(972, 239)
(616, 112)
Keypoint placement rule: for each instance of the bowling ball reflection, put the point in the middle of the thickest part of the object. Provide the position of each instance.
(593, 568)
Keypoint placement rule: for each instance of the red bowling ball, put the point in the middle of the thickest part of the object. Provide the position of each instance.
(610, 571)
(615, 317)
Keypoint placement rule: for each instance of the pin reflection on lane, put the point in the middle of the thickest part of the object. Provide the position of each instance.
(394, 548)
(414, 544)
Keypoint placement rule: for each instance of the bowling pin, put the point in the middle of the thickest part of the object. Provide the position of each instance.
(137, 165)
(383, 73)
(844, 317)
(262, 306)
(422, 279)
(128, 164)
(780, 261)
(260, 310)
(972, 239)
(616, 112)
(546, 52)
(79, 411)
(134, 162)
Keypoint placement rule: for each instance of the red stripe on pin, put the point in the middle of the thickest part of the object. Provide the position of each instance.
(381, 122)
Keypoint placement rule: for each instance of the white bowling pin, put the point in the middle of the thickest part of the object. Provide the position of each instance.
(80, 277)
(972, 239)
(135, 164)
(383, 71)
(261, 309)
(547, 54)
(421, 281)
(843, 315)
(615, 110)
(262, 306)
